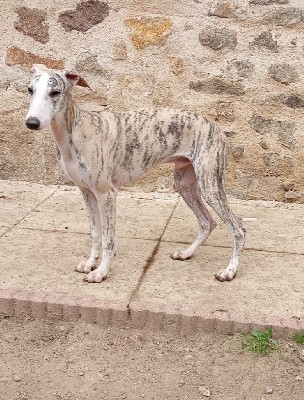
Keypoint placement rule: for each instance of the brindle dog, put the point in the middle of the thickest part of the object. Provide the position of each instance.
(101, 151)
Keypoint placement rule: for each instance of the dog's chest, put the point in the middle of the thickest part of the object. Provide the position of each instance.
(77, 171)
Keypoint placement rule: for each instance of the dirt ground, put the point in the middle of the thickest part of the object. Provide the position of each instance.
(56, 360)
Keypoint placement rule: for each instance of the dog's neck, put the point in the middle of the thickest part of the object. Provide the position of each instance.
(63, 125)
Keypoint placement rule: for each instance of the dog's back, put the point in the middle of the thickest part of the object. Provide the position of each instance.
(137, 140)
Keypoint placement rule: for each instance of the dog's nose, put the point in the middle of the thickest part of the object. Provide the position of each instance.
(32, 123)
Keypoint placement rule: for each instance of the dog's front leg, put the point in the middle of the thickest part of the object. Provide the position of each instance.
(107, 207)
(96, 231)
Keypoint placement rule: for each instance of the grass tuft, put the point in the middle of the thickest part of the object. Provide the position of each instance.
(299, 338)
(259, 342)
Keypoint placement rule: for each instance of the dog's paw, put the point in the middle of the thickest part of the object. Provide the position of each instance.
(225, 275)
(95, 276)
(179, 255)
(86, 266)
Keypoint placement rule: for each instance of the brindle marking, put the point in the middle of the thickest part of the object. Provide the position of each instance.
(102, 151)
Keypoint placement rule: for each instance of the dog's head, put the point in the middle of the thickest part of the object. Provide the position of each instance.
(48, 92)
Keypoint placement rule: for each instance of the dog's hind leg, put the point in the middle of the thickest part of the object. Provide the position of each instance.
(186, 186)
(211, 179)
(96, 232)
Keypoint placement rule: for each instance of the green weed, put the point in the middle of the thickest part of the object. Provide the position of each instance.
(299, 338)
(259, 342)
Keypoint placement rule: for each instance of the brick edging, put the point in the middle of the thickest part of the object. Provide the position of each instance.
(139, 314)
(61, 306)
(185, 320)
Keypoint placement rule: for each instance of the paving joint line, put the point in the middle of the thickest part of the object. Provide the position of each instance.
(9, 229)
(151, 259)
(245, 248)
(67, 231)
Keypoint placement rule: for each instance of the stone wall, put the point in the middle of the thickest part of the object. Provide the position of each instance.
(237, 62)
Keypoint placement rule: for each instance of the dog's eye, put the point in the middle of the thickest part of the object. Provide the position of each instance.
(30, 90)
(55, 93)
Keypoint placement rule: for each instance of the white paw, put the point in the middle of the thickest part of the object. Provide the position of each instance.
(86, 266)
(95, 276)
(179, 255)
(225, 275)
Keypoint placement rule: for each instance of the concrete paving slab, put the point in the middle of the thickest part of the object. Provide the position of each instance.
(266, 284)
(39, 255)
(17, 199)
(271, 226)
(44, 261)
(45, 219)
(25, 191)
(144, 218)
(137, 217)
(66, 199)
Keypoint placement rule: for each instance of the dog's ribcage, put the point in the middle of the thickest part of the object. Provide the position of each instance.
(125, 145)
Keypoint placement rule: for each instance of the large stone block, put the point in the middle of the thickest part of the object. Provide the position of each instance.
(218, 39)
(32, 23)
(148, 31)
(289, 17)
(120, 51)
(87, 14)
(87, 62)
(284, 131)
(237, 151)
(292, 100)
(277, 160)
(223, 9)
(243, 178)
(265, 40)
(283, 73)
(241, 68)
(218, 85)
(16, 56)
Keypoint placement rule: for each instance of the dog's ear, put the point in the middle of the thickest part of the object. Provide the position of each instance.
(38, 68)
(75, 79)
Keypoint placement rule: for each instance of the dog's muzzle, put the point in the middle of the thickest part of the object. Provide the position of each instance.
(33, 123)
